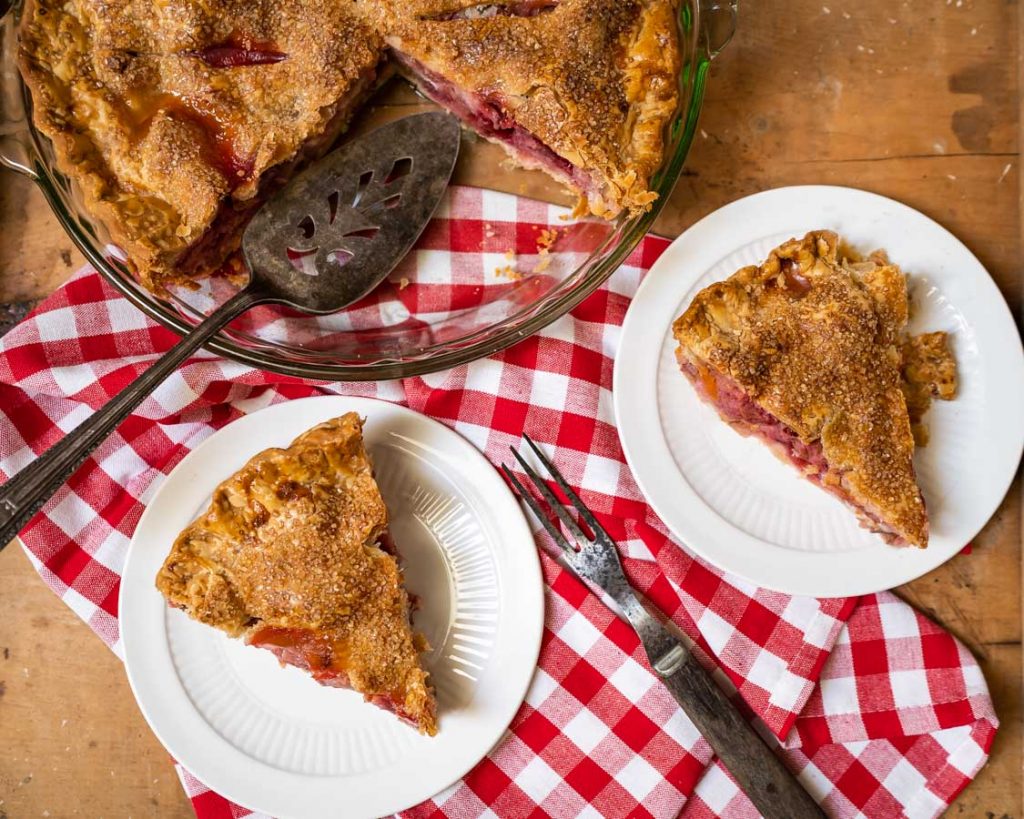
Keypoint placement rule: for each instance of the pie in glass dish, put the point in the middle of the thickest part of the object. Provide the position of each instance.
(808, 352)
(293, 555)
(178, 119)
(581, 89)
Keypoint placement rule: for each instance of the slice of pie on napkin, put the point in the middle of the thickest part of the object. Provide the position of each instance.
(294, 556)
(806, 353)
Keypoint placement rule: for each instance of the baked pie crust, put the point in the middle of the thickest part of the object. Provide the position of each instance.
(179, 118)
(579, 88)
(805, 351)
(293, 556)
(929, 371)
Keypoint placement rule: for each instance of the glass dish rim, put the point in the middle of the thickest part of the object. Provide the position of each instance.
(20, 151)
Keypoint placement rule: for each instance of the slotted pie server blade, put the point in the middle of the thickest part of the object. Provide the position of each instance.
(342, 225)
(326, 240)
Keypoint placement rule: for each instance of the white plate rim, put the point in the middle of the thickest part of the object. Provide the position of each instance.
(261, 787)
(795, 209)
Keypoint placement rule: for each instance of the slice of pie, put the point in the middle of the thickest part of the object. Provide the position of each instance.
(179, 118)
(805, 352)
(582, 89)
(293, 555)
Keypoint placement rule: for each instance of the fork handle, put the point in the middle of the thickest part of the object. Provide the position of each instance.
(761, 774)
(24, 494)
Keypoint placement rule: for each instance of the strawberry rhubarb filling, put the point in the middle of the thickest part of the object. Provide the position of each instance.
(326, 661)
(490, 118)
(738, 410)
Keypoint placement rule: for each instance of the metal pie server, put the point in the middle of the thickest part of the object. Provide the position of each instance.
(323, 242)
(771, 786)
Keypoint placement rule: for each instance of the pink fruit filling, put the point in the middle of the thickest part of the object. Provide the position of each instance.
(238, 50)
(738, 410)
(323, 659)
(233, 56)
(489, 118)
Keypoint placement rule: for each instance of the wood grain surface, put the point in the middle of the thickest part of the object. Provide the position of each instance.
(916, 100)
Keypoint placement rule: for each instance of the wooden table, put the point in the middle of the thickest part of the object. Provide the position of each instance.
(914, 100)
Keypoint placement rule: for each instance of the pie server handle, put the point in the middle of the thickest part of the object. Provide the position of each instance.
(25, 493)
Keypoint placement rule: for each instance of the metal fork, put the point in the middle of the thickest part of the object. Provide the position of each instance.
(772, 788)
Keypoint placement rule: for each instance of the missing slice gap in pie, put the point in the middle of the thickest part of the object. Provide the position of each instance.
(178, 120)
(808, 352)
(293, 555)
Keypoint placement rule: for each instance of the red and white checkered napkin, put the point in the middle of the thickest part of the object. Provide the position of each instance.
(881, 712)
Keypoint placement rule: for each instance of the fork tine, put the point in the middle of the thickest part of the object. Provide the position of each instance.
(556, 505)
(546, 522)
(570, 493)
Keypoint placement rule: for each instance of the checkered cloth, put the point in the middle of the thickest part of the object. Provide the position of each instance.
(879, 711)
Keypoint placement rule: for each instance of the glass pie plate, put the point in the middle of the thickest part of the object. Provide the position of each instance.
(360, 344)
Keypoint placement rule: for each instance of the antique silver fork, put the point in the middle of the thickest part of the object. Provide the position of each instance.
(772, 788)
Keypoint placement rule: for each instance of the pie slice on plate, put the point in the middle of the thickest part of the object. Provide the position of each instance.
(582, 89)
(293, 555)
(805, 353)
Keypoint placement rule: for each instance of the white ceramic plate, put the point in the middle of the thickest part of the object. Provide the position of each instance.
(733, 502)
(269, 737)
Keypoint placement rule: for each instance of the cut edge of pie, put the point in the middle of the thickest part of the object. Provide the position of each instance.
(804, 353)
(590, 108)
(294, 556)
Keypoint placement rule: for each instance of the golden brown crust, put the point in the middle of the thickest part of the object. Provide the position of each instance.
(929, 370)
(928, 364)
(158, 138)
(290, 542)
(172, 152)
(594, 80)
(816, 343)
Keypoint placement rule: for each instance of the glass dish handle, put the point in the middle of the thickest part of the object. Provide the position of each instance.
(718, 24)
(15, 140)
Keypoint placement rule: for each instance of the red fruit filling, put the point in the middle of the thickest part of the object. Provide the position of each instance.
(239, 51)
(738, 410)
(324, 659)
(489, 118)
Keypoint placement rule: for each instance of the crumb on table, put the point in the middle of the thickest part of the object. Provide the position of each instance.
(508, 272)
(547, 238)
